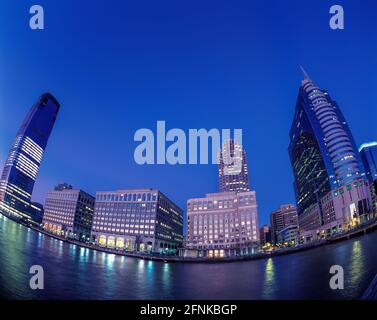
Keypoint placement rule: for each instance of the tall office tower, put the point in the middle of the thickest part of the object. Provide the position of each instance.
(69, 212)
(368, 153)
(21, 167)
(331, 190)
(233, 170)
(284, 217)
(142, 220)
(222, 225)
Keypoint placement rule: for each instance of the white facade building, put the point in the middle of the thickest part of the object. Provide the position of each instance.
(222, 225)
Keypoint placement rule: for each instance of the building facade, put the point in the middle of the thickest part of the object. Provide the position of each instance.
(285, 216)
(24, 159)
(288, 236)
(36, 212)
(222, 225)
(142, 220)
(326, 166)
(368, 153)
(233, 169)
(69, 213)
(265, 235)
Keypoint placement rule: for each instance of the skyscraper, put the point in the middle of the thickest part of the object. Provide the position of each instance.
(233, 170)
(368, 153)
(329, 182)
(22, 165)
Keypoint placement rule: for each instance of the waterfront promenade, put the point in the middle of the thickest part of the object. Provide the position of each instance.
(358, 231)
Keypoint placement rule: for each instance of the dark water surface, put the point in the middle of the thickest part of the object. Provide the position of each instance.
(72, 272)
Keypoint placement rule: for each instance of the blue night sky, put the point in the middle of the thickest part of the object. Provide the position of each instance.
(117, 66)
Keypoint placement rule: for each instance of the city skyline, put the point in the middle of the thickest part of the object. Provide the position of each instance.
(264, 219)
(214, 69)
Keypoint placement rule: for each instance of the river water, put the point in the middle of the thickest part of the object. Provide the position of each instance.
(71, 272)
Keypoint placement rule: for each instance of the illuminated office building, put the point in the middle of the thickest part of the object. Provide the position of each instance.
(284, 217)
(24, 159)
(233, 170)
(222, 225)
(69, 212)
(368, 153)
(142, 220)
(332, 192)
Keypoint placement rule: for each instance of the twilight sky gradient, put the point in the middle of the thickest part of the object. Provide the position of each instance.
(117, 66)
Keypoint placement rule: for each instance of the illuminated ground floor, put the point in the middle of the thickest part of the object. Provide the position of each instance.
(16, 214)
(67, 231)
(334, 228)
(219, 252)
(134, 243)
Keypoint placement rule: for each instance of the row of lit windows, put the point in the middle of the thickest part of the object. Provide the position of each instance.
(123, 231)
(127, 197)
(58, 220)
(141, 226)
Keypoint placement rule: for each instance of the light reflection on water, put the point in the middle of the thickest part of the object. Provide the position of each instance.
(356, 264)
(110, 259)
(72, 272)
(269, 279)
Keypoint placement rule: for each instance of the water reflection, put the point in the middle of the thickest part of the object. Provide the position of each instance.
(166, 271)
(166, 277)
(81, 273)
(110, 259)
(72, 250)
(140, 266)
(269, 279)
(356, 264)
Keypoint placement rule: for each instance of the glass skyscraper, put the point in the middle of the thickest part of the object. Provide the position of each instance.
(25, 156)
(329, 178)
(368, 153)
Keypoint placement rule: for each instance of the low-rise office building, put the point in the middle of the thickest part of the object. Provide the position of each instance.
(288, 236)
(142, 220)
(69, 212)
(340, 210)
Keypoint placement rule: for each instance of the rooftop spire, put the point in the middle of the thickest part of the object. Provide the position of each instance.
(306, 76)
